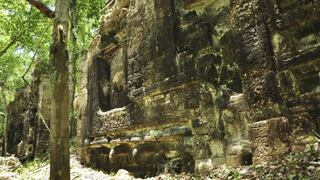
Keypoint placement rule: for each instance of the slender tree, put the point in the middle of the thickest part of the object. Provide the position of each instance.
(74, 54)
(22, 28)
(3, 118)
(59, 120)
(59, 124)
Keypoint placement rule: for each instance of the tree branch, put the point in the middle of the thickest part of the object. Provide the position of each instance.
(316, 134)
(44, 121)
(28, 69)
(33, 58)
(14, 40)
(45, 10)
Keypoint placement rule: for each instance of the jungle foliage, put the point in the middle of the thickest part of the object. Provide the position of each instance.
(25, 39)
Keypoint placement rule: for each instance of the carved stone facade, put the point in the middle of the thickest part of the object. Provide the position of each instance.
(183, 85)
(171, 85)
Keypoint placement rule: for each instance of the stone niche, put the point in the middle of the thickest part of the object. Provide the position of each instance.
(183, 86)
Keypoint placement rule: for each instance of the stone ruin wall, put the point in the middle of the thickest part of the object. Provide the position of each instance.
(28, 115)
(181, 85)
(176, 85)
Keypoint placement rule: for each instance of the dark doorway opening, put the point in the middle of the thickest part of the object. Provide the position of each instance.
(103, 83)
(246, 159)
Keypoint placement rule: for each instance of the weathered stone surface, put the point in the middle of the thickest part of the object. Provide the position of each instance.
(269, 139)
(44, 104)
(239, 153)
(27, 135)
(203, 82)
(17, 113)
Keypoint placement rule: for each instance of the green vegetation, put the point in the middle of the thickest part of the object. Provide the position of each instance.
(296, 165)
(303, 165)
(25, 39)
(32, 165)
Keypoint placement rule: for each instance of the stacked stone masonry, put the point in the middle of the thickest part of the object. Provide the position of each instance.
(183, 85)
(28, 117)
(174, 85)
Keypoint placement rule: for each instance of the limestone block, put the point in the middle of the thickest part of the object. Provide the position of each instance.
(235, 127)
(202, 150)
(237, 101)
(233, 160)
(269, 139)
(217, 148)
(196, 72)
(116, 118)
(204, 165)
(239, 153)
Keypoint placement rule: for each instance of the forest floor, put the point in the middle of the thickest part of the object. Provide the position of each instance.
(11, 169)
(301, 165)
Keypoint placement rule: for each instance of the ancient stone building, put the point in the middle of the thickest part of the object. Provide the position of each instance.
(27, 133)
(182, 85)
(172, 85)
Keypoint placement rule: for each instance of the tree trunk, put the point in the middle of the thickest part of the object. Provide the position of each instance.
(73, 65)
(4, 125)
(59, 125)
